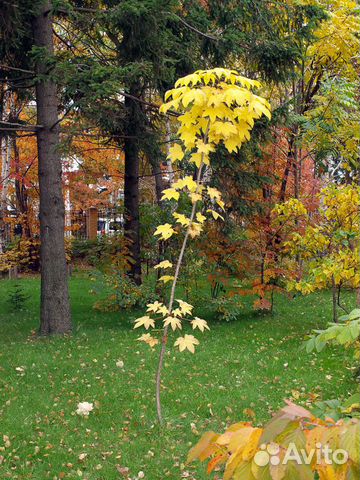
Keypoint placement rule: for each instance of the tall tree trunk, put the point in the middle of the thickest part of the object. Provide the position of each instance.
(131, 186)
(55, 307)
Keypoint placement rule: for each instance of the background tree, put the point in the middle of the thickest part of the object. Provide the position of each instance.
(55, 306)
(329, 245)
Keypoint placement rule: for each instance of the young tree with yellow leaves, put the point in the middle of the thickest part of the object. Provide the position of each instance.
(329, 245)
(217, 106)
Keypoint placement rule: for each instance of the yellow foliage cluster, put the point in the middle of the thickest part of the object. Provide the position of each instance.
(293, 445)
(171, 319)
(218, 103)
(330, 244)
(24, 254)
(337, 41)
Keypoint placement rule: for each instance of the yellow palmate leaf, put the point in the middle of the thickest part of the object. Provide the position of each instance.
(164, 264)
(180, 218)
(190, 183)
(175, 92)
(163, 311)
(191, 79)
(173, 322)
(200, 217)
(176, 153)
(170, 193)
(196, 95)
(232, 143)
(200, 324)
(179, 184)
(208, 76)
(188, 136)
(195, 229)
(213, 193)
(198, 158)
(252, 444)
(187, 342)
(187, 119)
(145, 322)
(166, 278)
(174, 104)
(224, 129)
(204, 148)
(154, 307)
(186, 308)
(260, 108)
(165, 231)
(195, 197)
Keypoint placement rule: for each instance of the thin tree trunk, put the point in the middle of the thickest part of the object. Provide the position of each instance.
(165, 334)
(55, 306)
(5, 159)
(4, 179)
(289, 163)
(21, 193)
(131, 187)
(296, 168)
(170, 305)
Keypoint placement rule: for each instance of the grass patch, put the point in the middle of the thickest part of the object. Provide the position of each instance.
(253, 363)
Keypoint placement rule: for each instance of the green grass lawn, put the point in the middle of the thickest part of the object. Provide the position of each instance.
(252, 363)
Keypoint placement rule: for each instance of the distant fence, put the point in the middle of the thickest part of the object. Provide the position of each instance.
(94, 222)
